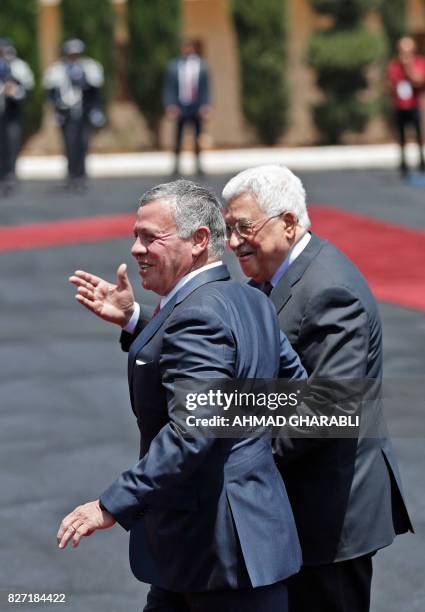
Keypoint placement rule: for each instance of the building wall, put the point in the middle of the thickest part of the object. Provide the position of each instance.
(210, 22)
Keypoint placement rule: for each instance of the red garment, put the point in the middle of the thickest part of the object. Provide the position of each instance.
(405, 95)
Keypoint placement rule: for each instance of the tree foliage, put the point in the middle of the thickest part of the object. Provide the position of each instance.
(394, 19)
(154, 33)
(261, 32)
(340, 55)
(18, 21)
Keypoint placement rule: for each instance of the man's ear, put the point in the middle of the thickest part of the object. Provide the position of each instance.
(200, 239)
(290, 220)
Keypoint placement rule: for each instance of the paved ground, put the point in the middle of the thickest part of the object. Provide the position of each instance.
(66, 427)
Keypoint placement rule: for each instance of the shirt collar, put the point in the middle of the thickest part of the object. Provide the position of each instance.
(185, 279)
(294, 252)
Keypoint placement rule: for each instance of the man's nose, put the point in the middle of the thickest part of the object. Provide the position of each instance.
(138, 248)
(235, 240)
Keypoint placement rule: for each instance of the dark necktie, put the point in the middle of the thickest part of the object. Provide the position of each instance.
(267, 288)
(157, 309)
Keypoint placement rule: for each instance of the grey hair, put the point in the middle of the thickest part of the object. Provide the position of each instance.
(193, 206)
(275, 188)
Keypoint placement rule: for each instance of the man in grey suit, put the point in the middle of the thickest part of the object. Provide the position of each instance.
(209, 519)
(186, 96)
(345, 493)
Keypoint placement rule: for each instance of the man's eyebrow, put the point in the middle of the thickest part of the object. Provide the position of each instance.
(244, 220)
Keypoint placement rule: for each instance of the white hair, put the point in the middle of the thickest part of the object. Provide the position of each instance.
(275, 188)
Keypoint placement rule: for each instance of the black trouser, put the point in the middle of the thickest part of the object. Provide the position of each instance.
(10, 144)
(76, 135)
(404, 118)
(272, 598)
(337, 587)
(188, 117)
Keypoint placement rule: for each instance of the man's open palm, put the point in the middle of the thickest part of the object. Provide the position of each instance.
(113, 303)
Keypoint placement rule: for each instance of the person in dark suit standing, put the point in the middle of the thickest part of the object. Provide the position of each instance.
(186, 96)
(16, 80)
(210, 523)
(73, 86)
(345, 493)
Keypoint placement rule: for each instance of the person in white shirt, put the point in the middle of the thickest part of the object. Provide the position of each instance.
(73, 86)
(186, 96)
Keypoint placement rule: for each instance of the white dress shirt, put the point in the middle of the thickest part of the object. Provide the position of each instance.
(296, 250)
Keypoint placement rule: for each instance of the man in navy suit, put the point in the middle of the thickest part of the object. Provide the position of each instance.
(187, 97)
(209, 519)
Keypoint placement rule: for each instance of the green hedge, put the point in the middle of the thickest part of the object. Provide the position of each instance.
(261, 32)
(344, 11)
(93, 22)
(18, 21)
(340, 56)
(394, 20)
(347, 50)
(154, 33)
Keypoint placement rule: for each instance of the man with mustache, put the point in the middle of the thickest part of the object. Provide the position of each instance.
(346, 493)
(210, 523)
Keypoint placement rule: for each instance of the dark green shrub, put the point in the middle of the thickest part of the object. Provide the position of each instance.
(345, 11)
(334, 117)
(154, 32)
(93, 22)
(345, 50)
(261, 32)
(394, 20)
(18, 21)
(340, 56)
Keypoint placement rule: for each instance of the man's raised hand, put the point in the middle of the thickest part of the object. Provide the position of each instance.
(113, 303)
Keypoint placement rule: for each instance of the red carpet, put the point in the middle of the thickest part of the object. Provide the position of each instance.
(390, 256)
(67, 231)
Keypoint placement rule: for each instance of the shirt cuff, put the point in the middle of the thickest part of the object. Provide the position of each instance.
(131, 325)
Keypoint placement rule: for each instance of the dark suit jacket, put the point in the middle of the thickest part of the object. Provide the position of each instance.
(346, 494)
(171, 86)
(204, 513)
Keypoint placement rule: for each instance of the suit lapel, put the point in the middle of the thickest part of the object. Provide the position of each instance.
(283, 290)
(149, 330)
(209, 276)
(213, 274)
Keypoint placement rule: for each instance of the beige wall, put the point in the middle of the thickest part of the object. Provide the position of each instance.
(210, 21)
(302, 91)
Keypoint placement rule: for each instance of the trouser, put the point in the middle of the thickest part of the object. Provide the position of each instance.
(404, 118)
(272, 598)
(76, 135)
(188, 118)
(337, 587)
(10, 144)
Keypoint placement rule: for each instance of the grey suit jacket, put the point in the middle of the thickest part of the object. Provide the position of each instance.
(346, 494)
(204, 514)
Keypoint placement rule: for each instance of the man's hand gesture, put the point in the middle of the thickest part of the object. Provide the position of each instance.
(82, 522)
(113, 303)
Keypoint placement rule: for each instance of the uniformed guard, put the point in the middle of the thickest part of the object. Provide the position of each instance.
(16, 79)
(73, 86)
